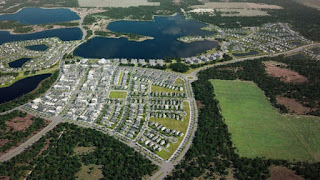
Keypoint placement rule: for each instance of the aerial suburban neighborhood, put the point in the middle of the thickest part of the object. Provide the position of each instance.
(159, 89)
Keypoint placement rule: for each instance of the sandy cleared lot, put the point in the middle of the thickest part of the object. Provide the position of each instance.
(284, 74)
(116, 3)
(293, 106)
(240, 5)
(20, 123)
(278, 173)
(311, 3)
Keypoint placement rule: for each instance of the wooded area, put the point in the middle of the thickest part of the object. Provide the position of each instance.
(53, 156)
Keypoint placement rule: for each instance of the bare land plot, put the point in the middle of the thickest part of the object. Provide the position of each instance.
(279, 173)
(116, 3)
(293, 105)
(20, 123)
(311, 3)
(284, 74)
(236, 5)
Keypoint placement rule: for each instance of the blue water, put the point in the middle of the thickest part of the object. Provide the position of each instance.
(21, 87)
(165, 31)
(41, 16)
(65, 34)
(252, 52)
(40, 47)
(18, 63)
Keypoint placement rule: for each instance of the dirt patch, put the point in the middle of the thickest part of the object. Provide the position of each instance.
(311, 3)
(286, 75)
(20, 123)
(3, 142)
(4, 177)
(293, 106)
(177, 1)
(199, 104)
(274, 63)
(280, 173)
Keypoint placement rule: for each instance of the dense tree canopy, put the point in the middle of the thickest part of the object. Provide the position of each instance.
(59, 161)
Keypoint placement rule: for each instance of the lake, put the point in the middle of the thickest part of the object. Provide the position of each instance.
(65, 34)
(40, 47)
(41, 16)
(18, 63)
(164, 29)
(21, 87)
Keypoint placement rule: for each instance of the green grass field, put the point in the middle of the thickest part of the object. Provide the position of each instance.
(179, 81)
(258, 129)
(155, 88)
(118, 94)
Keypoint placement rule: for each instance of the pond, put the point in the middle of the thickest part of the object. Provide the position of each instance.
(251, 53)
(40, 47)
(21, 87)
(41, 16)
(18, 63)
(164, 29)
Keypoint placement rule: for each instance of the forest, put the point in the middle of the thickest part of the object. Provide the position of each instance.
(42, 88)
(212, 153)
(53, 156)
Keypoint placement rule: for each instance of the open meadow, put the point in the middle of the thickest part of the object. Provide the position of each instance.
(258, 129)
(311, 3)
(116, 3)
